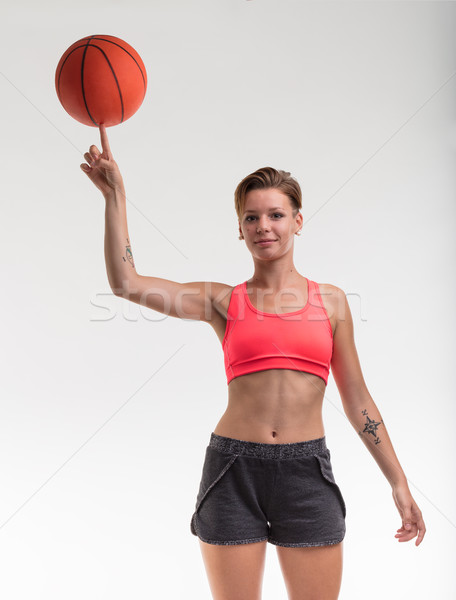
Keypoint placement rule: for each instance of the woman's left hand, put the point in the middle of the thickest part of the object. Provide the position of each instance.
(412, 520)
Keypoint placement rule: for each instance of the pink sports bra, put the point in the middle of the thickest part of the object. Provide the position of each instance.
(254, 340)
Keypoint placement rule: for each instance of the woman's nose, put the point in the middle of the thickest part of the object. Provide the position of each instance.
(263, 223)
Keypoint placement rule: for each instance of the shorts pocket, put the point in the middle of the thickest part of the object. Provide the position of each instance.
(324, 460)
(216, 464)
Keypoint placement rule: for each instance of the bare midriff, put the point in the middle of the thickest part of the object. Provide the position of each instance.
(277, 406)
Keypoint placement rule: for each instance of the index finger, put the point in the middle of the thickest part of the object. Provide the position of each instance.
(104, 139)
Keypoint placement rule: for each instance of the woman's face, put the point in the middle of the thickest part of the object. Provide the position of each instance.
(268, 215)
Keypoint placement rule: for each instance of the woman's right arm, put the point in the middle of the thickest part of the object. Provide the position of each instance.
(194, 300)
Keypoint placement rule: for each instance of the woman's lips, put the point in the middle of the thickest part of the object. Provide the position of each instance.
(266, 243)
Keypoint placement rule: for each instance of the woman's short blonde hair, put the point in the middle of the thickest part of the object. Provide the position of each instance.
(267, 178)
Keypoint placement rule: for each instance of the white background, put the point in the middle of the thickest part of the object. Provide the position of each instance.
(107, 407)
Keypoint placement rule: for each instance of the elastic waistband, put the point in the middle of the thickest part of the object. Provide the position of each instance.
(262, 450)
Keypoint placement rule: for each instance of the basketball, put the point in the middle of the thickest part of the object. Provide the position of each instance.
(101, 79)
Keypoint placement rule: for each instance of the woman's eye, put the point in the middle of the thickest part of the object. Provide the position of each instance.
(275, 215)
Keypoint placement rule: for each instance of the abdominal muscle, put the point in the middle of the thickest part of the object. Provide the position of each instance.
(277, 406)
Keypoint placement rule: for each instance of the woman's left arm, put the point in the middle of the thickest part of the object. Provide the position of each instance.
(366, 419)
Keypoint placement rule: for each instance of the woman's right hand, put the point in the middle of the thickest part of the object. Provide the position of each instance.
(102, 169)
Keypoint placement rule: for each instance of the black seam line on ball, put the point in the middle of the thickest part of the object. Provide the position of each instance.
(82, 79)
(122, 48)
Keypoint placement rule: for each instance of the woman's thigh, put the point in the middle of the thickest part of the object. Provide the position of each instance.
(235, 572)
(312, 573)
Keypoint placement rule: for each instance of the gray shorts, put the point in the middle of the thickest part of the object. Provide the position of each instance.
(283, 493)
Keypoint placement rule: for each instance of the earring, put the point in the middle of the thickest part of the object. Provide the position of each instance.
(299, 232)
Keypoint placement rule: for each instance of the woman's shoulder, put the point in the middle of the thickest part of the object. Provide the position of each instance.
(333, 298)
(329, 289)
(221, 296)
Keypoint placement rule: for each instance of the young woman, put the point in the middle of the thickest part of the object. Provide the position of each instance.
(267, 473)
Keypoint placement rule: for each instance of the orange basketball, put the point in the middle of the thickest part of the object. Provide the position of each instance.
(101, 79)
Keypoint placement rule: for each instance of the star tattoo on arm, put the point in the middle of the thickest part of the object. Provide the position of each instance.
(371, 426)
